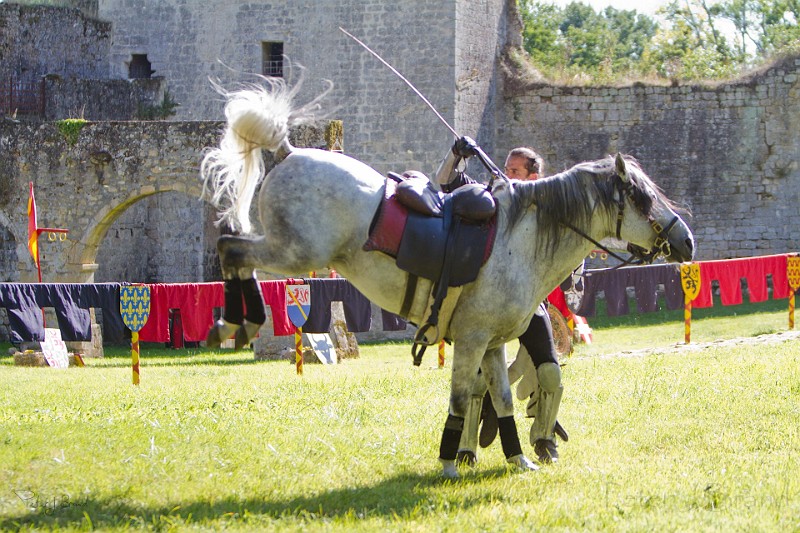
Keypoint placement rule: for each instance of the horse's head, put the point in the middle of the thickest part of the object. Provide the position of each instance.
(649, 223)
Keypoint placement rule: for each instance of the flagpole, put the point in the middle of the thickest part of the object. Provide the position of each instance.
(34, 231)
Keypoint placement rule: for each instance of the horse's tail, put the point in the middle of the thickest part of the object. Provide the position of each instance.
(258, 118)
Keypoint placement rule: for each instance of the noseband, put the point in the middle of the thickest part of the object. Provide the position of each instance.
(660, 246)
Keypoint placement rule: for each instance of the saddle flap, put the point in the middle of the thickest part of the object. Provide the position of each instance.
(422, 247)
(388, 223)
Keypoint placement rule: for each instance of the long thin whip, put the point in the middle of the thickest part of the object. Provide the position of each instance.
(416, 91)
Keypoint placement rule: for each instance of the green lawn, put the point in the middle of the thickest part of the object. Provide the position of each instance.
(699, 441)
(666, 328)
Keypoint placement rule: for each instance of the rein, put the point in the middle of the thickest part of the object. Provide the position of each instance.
(660, 246)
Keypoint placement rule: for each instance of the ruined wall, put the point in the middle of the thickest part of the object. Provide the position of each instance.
(128, 192)
(114, 171)
(100, 99)
(67, 52)
(729, 152)
(41, 40)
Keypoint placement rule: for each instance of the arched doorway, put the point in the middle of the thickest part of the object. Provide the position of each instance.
(167, 237)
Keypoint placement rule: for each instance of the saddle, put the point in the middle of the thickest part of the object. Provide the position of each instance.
(445, 238)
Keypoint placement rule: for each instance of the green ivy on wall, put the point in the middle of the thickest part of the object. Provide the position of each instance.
(71, 128)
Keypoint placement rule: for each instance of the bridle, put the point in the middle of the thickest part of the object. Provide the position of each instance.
(625, 189)
(639, 255)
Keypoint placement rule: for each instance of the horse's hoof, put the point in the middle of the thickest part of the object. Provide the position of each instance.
(546, 451)
(466, 458)
(219, 332)
(245, 334)
(449, 469)
(522, 463)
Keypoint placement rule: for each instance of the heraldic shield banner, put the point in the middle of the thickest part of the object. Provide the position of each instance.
(134, 305)
(298, 303)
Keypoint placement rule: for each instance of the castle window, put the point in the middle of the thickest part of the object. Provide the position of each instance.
(272, 59)
(139, 67)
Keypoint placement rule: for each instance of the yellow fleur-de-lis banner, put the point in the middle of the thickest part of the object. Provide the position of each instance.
(793, 272)
(690, 280)
(134, 305)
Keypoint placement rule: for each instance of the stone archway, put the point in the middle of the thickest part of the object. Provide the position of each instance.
(148, 236)
(168, 236)
(78, 190)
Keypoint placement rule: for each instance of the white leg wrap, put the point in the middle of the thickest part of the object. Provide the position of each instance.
(469, 437)
(544, 408)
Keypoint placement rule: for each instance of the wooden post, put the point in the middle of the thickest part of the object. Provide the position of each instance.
(690, 281)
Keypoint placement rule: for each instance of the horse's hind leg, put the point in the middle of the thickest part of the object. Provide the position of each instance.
(242, 291)
(255, 314)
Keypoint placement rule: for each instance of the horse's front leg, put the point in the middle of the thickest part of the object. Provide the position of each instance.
(481, 416)
(496, 374)
(242, 291)
(466, 362)
(468, 447)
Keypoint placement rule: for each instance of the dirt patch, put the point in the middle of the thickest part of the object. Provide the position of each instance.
(771, 338)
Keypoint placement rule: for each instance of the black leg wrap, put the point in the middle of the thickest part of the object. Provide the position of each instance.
(451, 437)
(508, 436)
(253, 301)
(234, 312)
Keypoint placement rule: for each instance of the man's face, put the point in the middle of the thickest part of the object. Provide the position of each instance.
(515, 169)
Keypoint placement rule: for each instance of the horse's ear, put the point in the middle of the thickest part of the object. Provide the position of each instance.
(622, 170)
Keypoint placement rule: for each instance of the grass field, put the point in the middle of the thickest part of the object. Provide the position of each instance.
(700, 441)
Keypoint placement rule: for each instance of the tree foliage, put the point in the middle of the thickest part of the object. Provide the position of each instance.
(689, 42)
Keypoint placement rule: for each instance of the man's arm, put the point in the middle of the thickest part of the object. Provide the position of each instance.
(447, 177)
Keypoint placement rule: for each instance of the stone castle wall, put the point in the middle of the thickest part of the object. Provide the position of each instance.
(93, 99)
(728, 152)
(128, 192)
(441, 47)
(124, 190)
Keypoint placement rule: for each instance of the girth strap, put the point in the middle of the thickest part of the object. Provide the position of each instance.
(408, 298)
(452, 225)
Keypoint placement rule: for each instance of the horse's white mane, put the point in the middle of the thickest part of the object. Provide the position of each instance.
(258, 117)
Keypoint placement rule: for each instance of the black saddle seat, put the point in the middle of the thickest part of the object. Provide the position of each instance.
(471, 202)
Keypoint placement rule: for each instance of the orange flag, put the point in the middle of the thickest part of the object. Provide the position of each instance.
(33, 230)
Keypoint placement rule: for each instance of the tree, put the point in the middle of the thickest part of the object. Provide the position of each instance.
(540, 34)
(691, 47)
(578, 39)
(768, 25)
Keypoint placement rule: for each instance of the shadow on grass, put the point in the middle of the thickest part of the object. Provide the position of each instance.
(156, 355)
(404, 495)
(182, 359)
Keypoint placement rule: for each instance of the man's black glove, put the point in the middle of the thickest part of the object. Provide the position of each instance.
(465, 147)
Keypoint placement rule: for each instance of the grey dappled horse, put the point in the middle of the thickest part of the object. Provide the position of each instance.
(315, 208)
